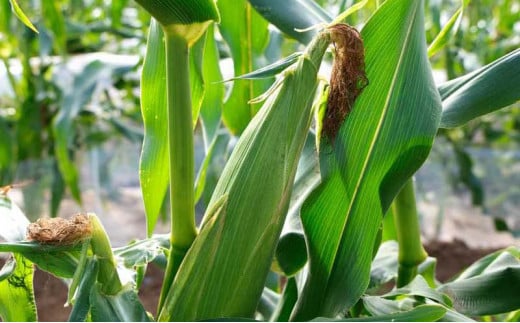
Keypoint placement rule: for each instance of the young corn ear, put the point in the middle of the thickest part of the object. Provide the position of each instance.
(224, 272)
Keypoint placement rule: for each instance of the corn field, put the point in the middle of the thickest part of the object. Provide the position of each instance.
(331, 110)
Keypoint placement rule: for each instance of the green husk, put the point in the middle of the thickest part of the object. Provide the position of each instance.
(224, 271)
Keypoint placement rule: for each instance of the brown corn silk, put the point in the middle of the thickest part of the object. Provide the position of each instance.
(60, 231)
(348, 78)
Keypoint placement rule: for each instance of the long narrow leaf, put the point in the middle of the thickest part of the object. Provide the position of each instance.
(211, 107)
(246, 34)
(422, 313)
(488, 287)
(21, 15)
(382, 143)
(448, 31)
(153, 168)
(482, 91)
(290, 15)
(73, 101)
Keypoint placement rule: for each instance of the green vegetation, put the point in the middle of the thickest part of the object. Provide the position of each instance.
(315, 209)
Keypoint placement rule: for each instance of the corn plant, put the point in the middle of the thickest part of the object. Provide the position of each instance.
(326, 207)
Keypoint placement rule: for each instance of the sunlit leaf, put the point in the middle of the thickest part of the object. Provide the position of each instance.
(153, 168)
(290, 15)
(16, 291)
(55, 21)
(246, 34)
(211, 107)
(448, 31)
(21, 15)
(490, 286)
(384, 140)
(422, 313)
(270, 70)
(482, 91)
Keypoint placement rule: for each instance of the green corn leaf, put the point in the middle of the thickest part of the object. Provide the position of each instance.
(5, 19)
(246, 34)
(490, 286)
(482, 91)
(62, 126)
(81, 306)
(448, 31)
(125, 306)
(384, 266)
(142, 252)
(419, 287)
(221, 152)
(116, 12)
(55, 22)
(57, 189)
(306, 180)
(490, 261)
(377, 305)
(21, 15)
(197, 85)
(211, 108)
(181, 12)
(224, 271)
(287, 301)
(60, 261)
(200, 182)
(290, 15)
(7, 152)
(452, 315)
(16, 291)
(153, 168)
(422, 313)
(267, 303)
(270, 70)
(384, 140)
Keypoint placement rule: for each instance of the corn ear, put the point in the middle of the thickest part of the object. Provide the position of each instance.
(224, 271)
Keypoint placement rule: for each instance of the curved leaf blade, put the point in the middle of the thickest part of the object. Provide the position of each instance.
(289, 15)
(489, 286)
(382, 143)
(211, 107)
(482, 91)
(270, 70)
(153, 167)
(422, 313)
(247, 41)
(21, 15)
(448, 31)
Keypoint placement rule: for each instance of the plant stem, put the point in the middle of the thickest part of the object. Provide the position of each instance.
(411, 251)
(180, 140)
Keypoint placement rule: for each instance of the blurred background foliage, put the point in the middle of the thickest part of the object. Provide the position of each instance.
(69, 97)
